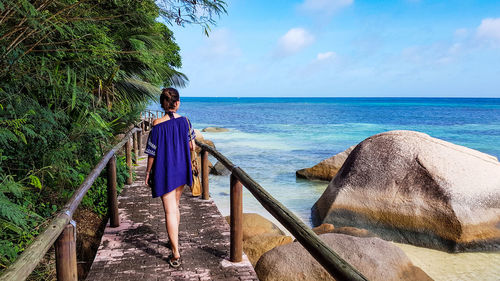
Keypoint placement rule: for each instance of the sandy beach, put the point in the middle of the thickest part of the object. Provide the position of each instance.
(460, 266)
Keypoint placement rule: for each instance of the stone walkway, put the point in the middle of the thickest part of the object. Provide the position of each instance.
(137, 249)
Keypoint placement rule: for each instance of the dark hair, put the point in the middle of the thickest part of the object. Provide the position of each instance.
(168, 98)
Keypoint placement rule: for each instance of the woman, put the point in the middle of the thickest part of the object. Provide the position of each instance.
(169, 161)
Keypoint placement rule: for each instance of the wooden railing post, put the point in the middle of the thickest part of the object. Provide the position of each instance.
(236, 219)
(139, 142)
(114, 220)
(136, 153)
(204, 175)
(128, 157)
(65, 247)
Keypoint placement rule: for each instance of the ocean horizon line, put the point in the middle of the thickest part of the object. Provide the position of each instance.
(343, 97)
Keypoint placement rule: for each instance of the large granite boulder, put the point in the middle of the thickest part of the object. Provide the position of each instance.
(375, 258)
(326, 169)
(255, 224)
(409, 187)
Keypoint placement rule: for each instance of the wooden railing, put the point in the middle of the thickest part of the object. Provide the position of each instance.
(148, 116)
(61, 231)
(331, 261)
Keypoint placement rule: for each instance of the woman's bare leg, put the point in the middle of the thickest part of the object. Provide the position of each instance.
(178, 193)
(172, 217)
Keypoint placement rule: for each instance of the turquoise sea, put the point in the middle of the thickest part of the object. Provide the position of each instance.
(271, 138)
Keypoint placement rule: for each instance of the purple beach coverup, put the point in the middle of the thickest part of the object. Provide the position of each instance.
(168, 143)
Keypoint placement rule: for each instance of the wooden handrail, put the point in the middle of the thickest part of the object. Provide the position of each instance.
(30, 258)
(149, 115)
(89, 180)
(329, 259)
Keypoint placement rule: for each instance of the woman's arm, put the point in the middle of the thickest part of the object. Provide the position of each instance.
(192, 145)
(151, 159)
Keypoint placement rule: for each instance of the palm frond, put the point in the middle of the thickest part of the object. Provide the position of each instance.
(133, 90)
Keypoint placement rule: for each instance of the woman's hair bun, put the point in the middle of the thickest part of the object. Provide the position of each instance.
(168, 98)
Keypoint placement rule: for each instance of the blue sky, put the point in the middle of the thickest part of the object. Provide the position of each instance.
(346, 48)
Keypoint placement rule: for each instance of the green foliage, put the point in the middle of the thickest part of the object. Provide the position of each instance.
(202, 12)
(73, 74)
(97, 196)
(17, 221)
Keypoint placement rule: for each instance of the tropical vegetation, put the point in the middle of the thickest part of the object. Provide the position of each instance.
(73, 74)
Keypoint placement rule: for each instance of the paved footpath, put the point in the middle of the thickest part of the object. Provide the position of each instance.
(138, 248)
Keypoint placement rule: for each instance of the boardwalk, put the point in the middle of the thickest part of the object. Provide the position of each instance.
(138, 250)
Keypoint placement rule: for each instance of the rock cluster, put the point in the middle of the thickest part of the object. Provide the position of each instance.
(215, 130)
(409, 187)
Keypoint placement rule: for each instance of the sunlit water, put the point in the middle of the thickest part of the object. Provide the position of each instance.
(271, 138)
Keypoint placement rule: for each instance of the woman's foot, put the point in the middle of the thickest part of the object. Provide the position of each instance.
(174, 261)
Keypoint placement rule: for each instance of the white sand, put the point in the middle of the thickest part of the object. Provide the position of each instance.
(462, 266)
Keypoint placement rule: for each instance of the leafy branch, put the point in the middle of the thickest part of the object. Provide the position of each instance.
(201, 12)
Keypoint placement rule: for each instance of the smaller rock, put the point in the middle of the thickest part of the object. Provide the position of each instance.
(219, 169)
(215, 130)
(207, 142)
(376, 259)
(255, 224)
(324, 228)
(200, 138)
(353, 231)
(326, 169)
(257, 245)
(198, 134)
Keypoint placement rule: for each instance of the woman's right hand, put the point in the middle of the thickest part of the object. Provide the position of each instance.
(147, 178)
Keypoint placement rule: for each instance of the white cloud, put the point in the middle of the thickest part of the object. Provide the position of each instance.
(293, 41)
(325, 56)
(489, 30)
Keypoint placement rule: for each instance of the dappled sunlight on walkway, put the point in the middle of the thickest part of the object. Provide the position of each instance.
(138, 249)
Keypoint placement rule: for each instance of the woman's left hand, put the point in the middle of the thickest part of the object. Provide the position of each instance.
(147, 178)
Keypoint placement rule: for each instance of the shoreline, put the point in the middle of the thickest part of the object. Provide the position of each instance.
(277, 142)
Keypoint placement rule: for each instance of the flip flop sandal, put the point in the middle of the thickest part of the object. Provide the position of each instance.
(174, 262)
